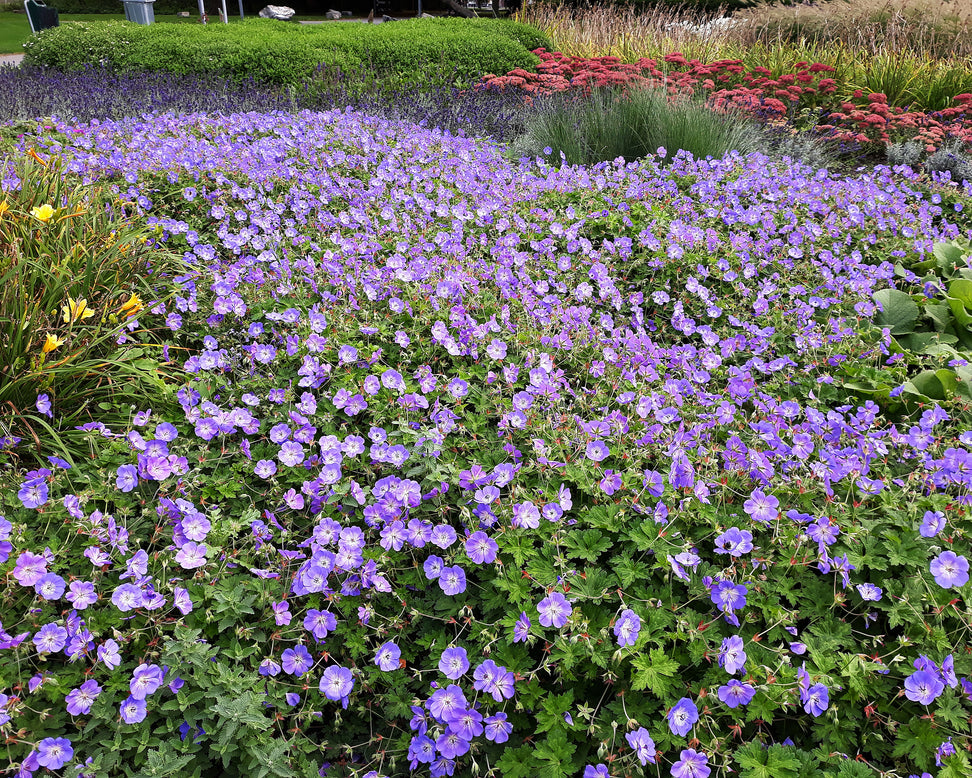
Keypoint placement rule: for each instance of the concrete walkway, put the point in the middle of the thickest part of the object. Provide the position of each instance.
(11, 59)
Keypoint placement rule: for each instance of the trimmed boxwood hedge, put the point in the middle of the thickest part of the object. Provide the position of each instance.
(414, 51)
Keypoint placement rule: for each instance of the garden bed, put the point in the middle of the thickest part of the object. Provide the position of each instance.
(339, 445)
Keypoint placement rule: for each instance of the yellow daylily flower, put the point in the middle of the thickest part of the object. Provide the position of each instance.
(132, 306)
(44, 213)
(76, 310)
(51, 343)
(35, 155)
(4, 207)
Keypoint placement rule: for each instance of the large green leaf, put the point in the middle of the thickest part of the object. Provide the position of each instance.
(918, 342)
(961, 289)
(929, 384)
(960, 311)
(940, 315)
(947, 254)
(899, 312)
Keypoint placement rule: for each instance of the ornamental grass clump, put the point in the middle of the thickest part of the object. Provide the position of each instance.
(633, 123)
(75, 272)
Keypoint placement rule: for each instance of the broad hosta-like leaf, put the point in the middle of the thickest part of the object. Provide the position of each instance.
(899, 312)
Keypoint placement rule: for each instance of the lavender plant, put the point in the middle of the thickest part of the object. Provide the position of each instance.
(29, 92)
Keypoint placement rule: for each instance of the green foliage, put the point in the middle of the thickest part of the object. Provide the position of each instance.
(409, 52)
(757, 761)
(75, 273)
(933, 321)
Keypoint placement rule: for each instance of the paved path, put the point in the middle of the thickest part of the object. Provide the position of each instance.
(11, 59)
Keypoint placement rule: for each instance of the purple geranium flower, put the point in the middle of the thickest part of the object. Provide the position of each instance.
(445, 702)
(450, 745)
(54, 752)
(81, 594)
(109, 655)
(597, 451)
(728, 596)
(319, 623)
(126, 478)
(762, 507)
(433, 567)
(146, 679)
(454, 663)
(264, 468)
(291, 454)
(181, 600)
(33, 493)
(127, 597)
(932, 523)
(734, 542)
(388, 656)
(627, 627)
(468, 724)
(481, 548)
(682, 717)
(950, 570)
(732, 655)
(611, 482)
(816, 700)
(296, 661)
(497, 728)
(80, 700)
(691, 764)
(133, 711)
(50, 586)
(421, 749)
(337, 683)
(946, 749)
(521, 630)
(642, 744)
(281, 613)
(923, 686)
(736, 693)
(43, 405)
(191, 555)
(452, 580)
(494, 679)
(50, 638)
(29, 568)
(554, 610)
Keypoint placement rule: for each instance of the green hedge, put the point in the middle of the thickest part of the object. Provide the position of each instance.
(414, 51)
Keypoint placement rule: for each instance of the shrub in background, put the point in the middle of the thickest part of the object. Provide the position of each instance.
(75, 286)
(415, 52)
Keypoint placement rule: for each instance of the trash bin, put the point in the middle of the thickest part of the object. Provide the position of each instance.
(40, 16)
(139, 11)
